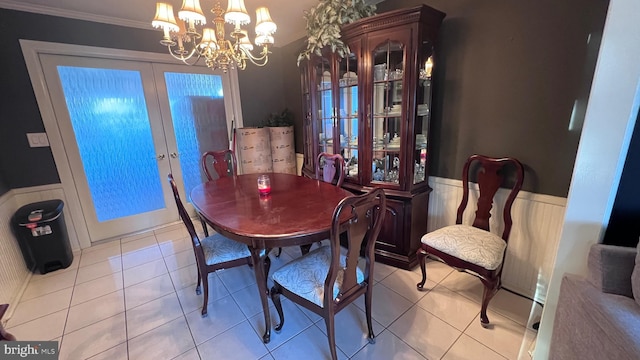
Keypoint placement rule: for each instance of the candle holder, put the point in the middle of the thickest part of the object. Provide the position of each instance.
(264, 185)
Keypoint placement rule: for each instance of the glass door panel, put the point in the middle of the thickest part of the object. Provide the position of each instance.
(387, 112)
(309, 136)
(423, 112)
(325, 106)
(109, 117)
(199, 121)
(348, 113)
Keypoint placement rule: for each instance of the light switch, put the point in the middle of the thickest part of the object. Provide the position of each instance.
(38, 139)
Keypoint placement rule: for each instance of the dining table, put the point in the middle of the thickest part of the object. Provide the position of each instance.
(297, 212)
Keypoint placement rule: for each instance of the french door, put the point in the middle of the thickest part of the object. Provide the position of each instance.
(125, 125)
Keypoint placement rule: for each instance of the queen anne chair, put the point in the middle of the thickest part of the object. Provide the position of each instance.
(224, 163)
(213, 252)
(474, 249)
(328, 279)
(330, 169)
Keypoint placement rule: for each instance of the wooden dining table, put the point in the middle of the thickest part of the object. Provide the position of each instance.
(297, 212)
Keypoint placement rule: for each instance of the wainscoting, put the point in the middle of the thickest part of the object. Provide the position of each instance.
(14, 275)
(537, 223)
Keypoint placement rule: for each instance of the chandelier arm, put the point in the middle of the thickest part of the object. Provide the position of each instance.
(260, 60)
(186, 58)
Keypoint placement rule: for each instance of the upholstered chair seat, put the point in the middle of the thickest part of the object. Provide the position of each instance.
(305, 275)
(219, 249)
(468, 243)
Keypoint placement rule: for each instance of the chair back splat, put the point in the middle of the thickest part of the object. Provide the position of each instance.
(328, 279)
(490, 176)
(223, 162)
(366, 214)
(475, 249)
(330, 168)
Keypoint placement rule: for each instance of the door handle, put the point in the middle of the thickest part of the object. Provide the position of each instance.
(161, 156)
(173, 155)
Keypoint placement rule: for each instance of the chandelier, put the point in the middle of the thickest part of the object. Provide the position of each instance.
(186, 44)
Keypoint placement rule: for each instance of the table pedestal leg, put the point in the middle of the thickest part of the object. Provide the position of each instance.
(260, 262)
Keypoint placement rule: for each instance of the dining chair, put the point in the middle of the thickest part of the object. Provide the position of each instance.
(330, 169)
(474, 249)
(329, 278)
(213, 252)
(224, 163)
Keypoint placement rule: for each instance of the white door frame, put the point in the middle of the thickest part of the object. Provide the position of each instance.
(31, 51)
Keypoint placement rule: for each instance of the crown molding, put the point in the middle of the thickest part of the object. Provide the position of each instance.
(47, 10)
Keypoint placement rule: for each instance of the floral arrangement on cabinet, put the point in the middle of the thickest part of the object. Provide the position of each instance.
(324, 21)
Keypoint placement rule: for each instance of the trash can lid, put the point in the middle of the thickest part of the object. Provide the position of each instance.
(43, 211)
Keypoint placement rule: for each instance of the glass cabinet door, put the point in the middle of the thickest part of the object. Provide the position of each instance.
(423, 112)
(308, 137)
(387, 103)
(348, 114)
(324, 101)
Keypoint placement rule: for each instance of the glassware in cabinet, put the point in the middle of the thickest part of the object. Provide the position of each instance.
(348, 120)
(324, 100)
(387, 103)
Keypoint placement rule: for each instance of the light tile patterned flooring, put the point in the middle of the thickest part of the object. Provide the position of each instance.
(135, 299)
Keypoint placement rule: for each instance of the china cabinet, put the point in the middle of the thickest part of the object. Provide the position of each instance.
(374, 107)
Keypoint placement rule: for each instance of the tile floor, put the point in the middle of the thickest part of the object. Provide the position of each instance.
(135, 299)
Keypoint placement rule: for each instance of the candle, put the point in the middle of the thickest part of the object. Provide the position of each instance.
(264, 185)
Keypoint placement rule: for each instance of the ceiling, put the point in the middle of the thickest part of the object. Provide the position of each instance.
(287, 14)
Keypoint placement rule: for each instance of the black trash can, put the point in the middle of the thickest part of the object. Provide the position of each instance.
(42, 236)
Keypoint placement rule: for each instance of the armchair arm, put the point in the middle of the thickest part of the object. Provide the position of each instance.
(610, 268)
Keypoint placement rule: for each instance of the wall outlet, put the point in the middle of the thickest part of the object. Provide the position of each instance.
(38, 139)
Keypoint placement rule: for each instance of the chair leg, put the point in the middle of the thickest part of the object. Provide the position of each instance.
(329, 320)
(204, 226)
(490, 289)
(198, 289)
(267, 266)
(205, 282)
(275, 298)
(304, 249)
(422, 258)
(367, 306)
